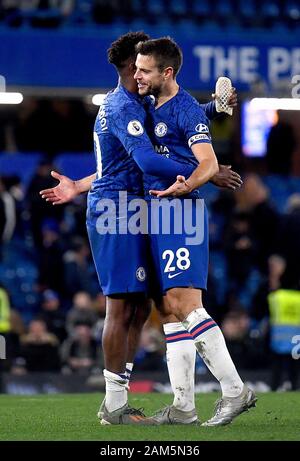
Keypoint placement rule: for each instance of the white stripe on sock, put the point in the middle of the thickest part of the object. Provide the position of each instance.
(212, 348)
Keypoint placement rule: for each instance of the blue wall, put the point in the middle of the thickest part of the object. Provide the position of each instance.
(77, 58)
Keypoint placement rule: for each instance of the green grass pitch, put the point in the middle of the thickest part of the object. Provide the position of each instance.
(73, 417)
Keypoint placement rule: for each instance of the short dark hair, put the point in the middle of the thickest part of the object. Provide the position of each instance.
(124, 48)
(165, 51)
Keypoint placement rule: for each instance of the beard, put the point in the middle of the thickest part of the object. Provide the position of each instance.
(148, 90)
(155, 90)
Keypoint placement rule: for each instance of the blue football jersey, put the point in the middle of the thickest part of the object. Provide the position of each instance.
(173, 129)
(119, 127)
(120, 258)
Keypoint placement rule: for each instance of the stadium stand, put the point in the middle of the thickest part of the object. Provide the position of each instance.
(84, 13)
(234, 228)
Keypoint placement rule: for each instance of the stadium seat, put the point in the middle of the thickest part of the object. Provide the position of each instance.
(76, 165)
(21, 165)
(201, 9)
(156, 8)
(291, 13)
(295, 185)
(82, 12)
(219, 272)
(247, 9)
(280, 190)
(19, 275)
(139, 24)
(247, 13)
(139, 8)
(270, 12)
(178, 9)
(223, 8)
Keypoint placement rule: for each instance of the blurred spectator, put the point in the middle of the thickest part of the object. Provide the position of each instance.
(288, 238)
(210, 298)
(253, 198)
(52, 314)
(38, 209)
(280, 147)
(99, 306)
(251, 237)
(235, 328)
(10, 11)
(269, 283)
(17, 329)
(50, 13)
(7, 214)
(79, 271)
(284, 307)
(74, 219)
(79, 352)
(39, 348)
(4, 312)
(51, 258)
(70, 124)
(240, 248)
(221, 211)
(103, 11)
(247, 346)
(72, 127)
(82, 312)
(222, 130)
(241, 251)
(14, 188)
(32, 126)
(151, 352)
(5, 327)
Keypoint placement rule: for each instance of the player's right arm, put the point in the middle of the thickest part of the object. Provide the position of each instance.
(67, 189)
(207, 168)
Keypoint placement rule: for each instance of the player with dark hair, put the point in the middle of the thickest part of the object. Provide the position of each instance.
(121, 144)
(181, 266)
(123, 151)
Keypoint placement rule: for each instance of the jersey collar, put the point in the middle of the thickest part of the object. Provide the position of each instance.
(170, 100)
(134, 96)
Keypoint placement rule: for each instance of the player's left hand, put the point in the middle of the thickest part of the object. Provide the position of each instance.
(180, 187)
(232, 100)
(227, 178)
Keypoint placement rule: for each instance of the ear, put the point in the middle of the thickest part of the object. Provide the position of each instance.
(168, 73)
(132, 67)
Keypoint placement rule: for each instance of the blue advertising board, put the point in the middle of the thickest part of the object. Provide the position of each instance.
(78, 60)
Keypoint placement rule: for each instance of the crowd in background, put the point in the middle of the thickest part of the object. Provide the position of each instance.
(51, 308)
(48, 126)
(53, 318)
(57, 13)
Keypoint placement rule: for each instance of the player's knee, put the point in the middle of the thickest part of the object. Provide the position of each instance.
(175, 311)
(118, 313)
(168, 318)
(173, 301)
(182, 301)
(140, 317)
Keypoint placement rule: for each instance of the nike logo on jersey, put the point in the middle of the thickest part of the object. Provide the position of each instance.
(171, 276)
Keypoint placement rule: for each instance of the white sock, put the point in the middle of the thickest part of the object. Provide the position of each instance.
(210, 344)
(128, 371)
(116, 390)
(181, 355)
